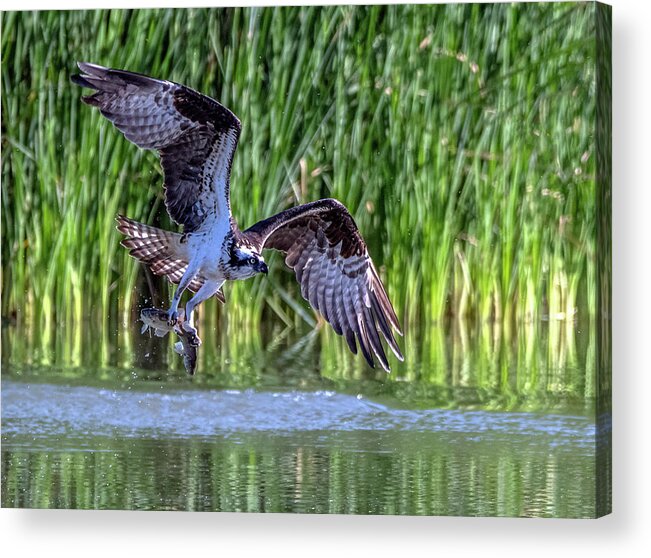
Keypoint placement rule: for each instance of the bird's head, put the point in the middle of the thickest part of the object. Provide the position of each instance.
(245, 263)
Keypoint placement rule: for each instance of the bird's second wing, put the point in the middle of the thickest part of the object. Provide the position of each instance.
(195, 135)
(323, 246)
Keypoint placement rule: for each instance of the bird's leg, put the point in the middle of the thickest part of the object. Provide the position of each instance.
(173, 312)
(208, 289)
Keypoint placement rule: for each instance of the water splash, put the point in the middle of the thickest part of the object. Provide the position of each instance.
(43, 410)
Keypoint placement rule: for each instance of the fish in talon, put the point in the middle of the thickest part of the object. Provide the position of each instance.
(157, 321)
(191, 331)
(188, 351)
(188, 332)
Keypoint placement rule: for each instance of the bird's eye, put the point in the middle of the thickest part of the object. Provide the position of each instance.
(253, 261)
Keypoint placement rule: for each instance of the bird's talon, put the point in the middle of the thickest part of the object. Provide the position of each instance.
(172, 318)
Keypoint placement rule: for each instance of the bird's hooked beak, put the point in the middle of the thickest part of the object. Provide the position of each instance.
(262, 268)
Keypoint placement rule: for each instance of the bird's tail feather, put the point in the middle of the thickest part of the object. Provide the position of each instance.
(162, 251)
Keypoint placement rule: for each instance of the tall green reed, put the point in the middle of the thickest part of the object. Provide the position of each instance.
(461, 138)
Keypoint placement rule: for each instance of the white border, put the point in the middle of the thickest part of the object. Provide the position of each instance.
(624, 533)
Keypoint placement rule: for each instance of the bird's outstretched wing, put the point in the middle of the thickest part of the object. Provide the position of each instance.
(329, 257)
(195, 135)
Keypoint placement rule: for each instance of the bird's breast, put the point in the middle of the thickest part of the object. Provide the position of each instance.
(210, 251)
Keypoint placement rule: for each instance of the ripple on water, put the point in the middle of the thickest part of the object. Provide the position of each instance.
(47, 410)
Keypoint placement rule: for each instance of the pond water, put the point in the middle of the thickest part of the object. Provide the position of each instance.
(288, 438)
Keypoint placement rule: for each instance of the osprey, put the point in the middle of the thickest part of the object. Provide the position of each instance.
(196, 138)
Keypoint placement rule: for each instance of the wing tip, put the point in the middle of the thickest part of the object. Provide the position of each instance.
(91, 69)
(385, 362)
(88, 70)
(395, 350)
(78, 79)
(349, 336)
(370, 360)
(91, 100)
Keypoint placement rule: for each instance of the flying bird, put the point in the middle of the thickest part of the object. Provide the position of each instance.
(196, 138)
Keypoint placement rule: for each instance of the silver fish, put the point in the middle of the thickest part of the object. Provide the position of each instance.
(156, 321)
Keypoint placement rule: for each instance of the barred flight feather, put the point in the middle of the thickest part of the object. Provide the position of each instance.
(328, 255)
(161, 250)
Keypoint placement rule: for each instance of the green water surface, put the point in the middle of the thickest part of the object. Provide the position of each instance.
(505, 429)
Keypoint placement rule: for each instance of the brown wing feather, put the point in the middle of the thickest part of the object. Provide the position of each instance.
(323, 246)
(195, 135)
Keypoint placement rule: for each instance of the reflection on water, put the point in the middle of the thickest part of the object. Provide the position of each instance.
(51, 411)
(247, 450)
(476, 423)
